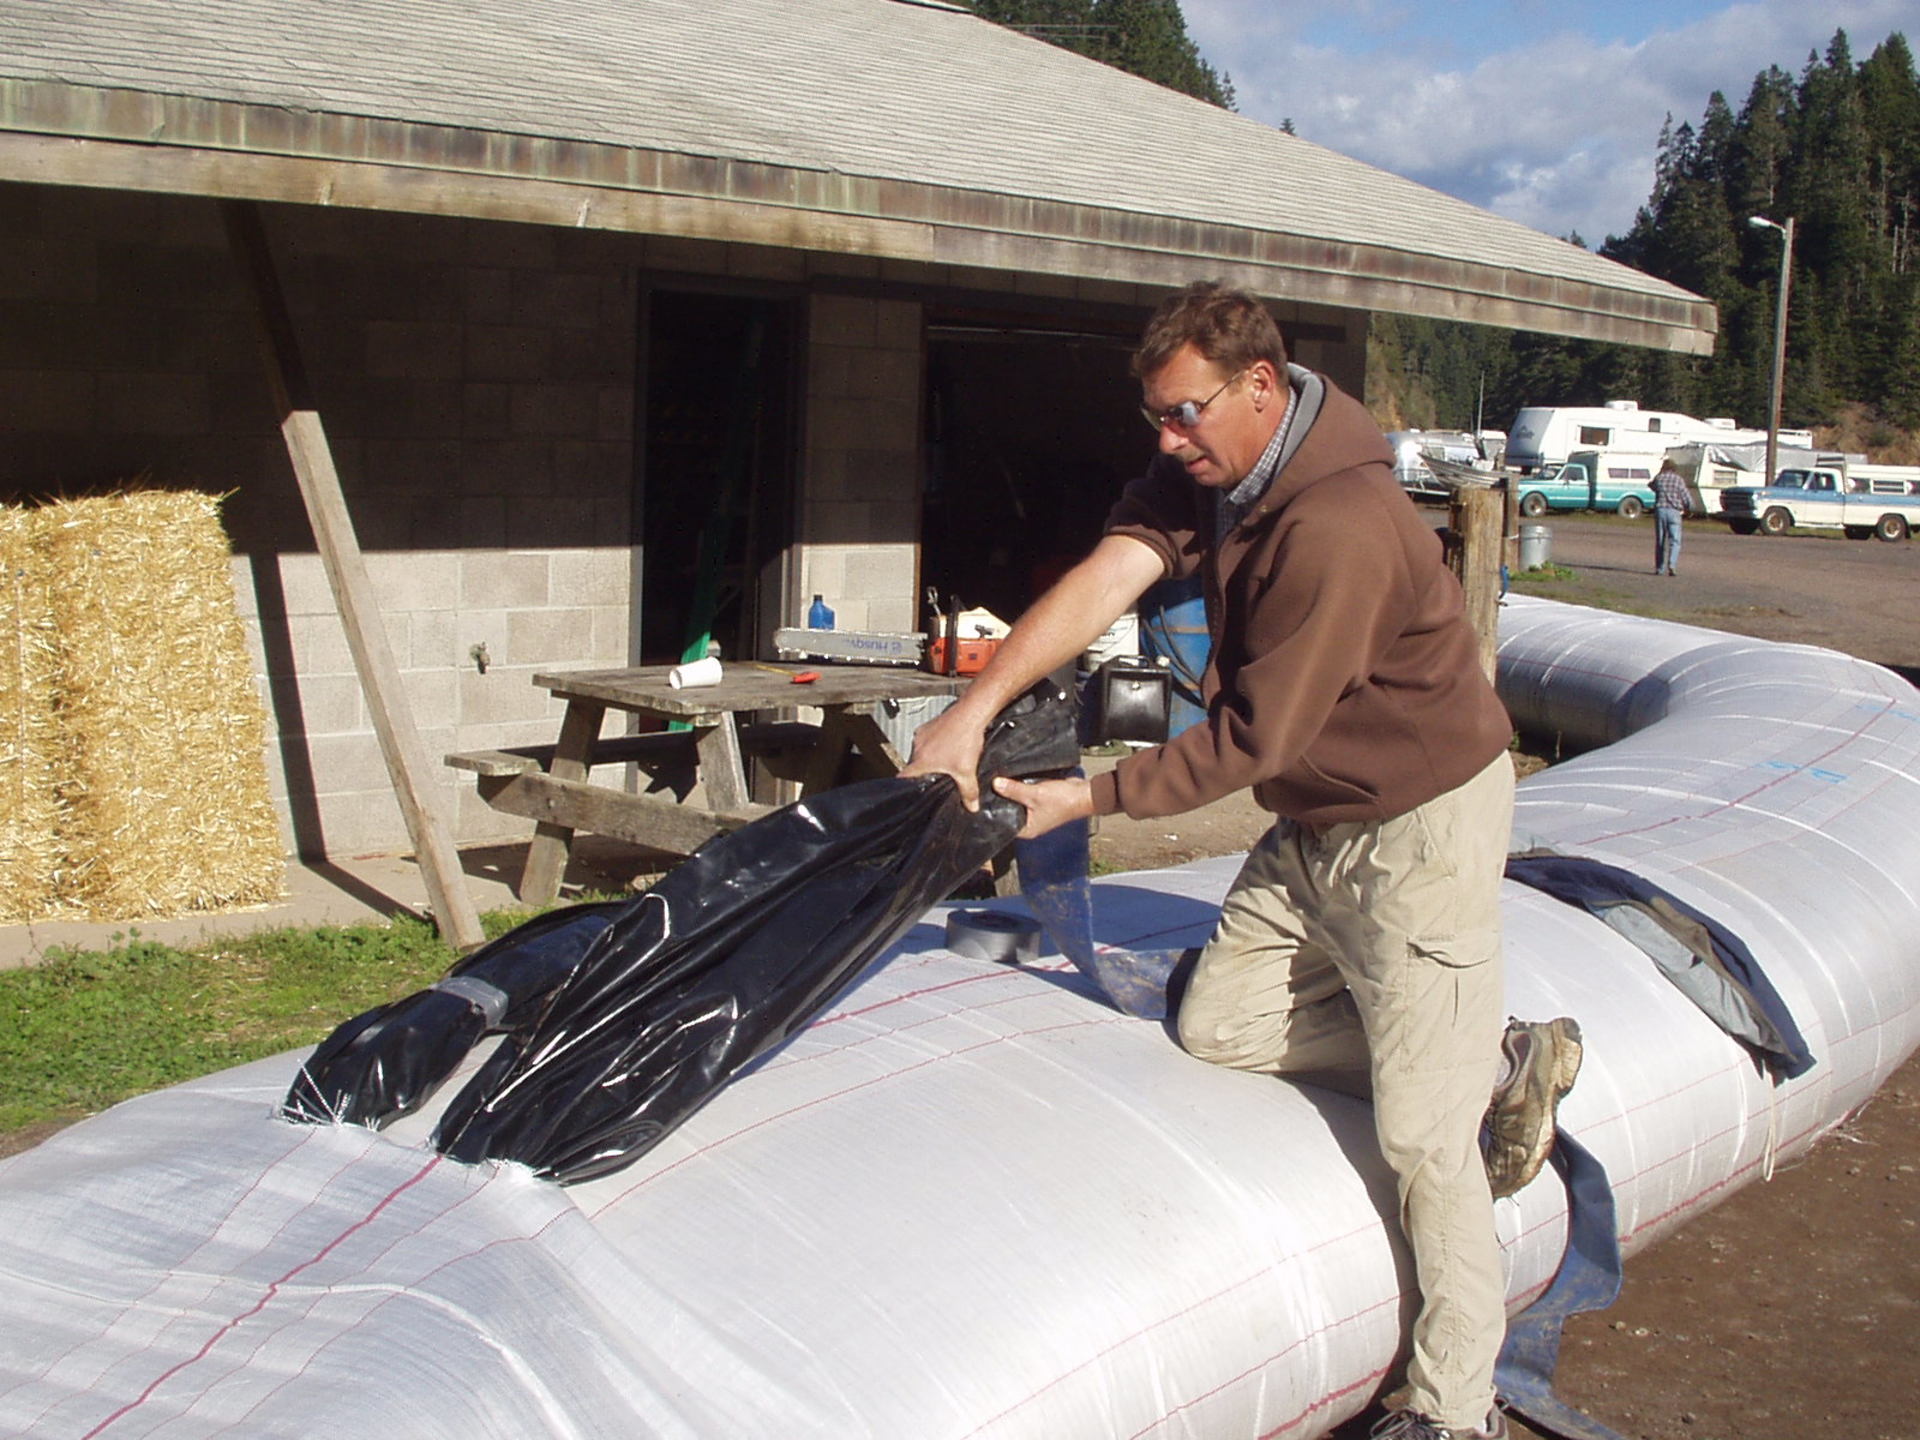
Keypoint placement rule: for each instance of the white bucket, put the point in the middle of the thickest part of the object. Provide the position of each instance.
(1536, 546)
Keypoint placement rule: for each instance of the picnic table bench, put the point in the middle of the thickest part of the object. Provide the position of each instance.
(695, 779)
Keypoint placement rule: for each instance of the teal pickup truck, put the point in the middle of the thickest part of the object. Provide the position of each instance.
(1613, 480)
(1823, 499)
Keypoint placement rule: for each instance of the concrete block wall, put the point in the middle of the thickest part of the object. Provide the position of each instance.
(484, 375)
(476, 384)
(468, 629)
(860, 488)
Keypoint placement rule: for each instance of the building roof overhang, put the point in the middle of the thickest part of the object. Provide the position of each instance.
(889, 188)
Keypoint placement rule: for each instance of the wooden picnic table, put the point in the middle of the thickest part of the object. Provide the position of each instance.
(550, 784)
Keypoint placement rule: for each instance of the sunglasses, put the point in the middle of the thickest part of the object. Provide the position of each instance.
(1186, 414)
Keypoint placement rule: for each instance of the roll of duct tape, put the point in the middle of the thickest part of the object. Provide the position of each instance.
(993, 935)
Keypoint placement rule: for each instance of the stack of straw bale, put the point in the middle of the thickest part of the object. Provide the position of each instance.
(32, 745)
(135, 754)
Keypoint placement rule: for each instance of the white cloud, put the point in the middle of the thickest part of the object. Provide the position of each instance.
(1514, 107)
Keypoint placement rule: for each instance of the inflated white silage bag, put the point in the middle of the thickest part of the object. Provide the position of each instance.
(972, 1201)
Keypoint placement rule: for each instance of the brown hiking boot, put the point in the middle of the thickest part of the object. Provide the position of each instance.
(1543, 1060)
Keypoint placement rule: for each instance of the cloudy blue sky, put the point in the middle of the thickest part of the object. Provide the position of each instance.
(1540, 110)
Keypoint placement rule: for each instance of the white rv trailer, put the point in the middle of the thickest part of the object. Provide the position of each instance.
(1711, 470)
(1548, 434)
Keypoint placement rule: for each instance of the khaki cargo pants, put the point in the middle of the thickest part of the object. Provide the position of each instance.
(1367, 957)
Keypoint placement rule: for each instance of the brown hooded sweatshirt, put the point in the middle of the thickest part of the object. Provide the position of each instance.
(1344, 682)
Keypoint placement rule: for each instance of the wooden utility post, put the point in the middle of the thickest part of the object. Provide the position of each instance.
(453, 908)
(1476, 549)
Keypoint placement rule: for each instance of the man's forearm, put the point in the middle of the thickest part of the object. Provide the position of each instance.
(1064, 622)
(1060, 625)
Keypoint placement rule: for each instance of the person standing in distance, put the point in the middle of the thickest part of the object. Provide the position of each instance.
(1670, 506)
(1360, 945)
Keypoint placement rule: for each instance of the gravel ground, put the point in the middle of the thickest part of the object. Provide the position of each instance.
(1859, 596)
(1794, 1307)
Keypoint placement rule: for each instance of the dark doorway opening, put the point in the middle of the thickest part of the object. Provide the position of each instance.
(1032, 433)
(717, 489)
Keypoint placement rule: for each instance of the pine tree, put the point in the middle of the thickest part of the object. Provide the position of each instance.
(1890, 100)
(1890, 104)
(1758, 157)
(1827, 190)
(1066, 23)
(1761, 144)
(1839, 151)
(1147, 38)
(1901, 398)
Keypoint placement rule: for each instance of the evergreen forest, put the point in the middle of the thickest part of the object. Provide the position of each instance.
(1147, 38)
(1837, 148)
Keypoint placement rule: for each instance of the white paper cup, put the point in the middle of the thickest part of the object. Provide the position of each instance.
(695, 673)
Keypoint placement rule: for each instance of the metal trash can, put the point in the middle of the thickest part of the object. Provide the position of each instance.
(1536, 546)
(898, 719)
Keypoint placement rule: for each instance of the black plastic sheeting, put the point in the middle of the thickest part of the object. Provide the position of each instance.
(725, 957)
(384, 1063)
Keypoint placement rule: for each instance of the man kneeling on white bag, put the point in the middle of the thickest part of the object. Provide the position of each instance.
(1360, 945)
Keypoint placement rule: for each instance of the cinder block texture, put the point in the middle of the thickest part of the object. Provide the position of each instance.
(474, 382)
(860, 490)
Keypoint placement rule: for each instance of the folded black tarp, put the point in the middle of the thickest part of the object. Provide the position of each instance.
(726, 956)
(384, 1063)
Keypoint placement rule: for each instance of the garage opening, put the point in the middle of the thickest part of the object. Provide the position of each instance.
(1032, 432)
(716, 512)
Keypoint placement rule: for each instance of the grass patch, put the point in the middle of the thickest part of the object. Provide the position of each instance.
(1559, 582)
(85, 1029)
(1540, 575)
(1554, 581)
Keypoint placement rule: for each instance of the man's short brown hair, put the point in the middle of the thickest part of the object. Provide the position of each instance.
(1229, 327)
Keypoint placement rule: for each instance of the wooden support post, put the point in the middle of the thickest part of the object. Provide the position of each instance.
(1478, 516)
(453, 908)
(723, 769)
(553, 842)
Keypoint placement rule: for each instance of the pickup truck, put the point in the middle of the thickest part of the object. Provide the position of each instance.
(1820, 500)
(1592, 480)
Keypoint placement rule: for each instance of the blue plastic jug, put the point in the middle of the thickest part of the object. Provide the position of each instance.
(819, 617)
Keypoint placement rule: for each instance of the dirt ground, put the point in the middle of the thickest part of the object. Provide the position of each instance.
(1793, 1308)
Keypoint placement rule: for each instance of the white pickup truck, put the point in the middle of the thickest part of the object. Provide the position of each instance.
(1858, 505)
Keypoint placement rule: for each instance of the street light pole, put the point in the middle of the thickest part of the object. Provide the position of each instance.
(1779, 337)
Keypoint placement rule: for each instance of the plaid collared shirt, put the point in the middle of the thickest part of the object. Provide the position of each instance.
(1235, 503)
(1670, 491)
